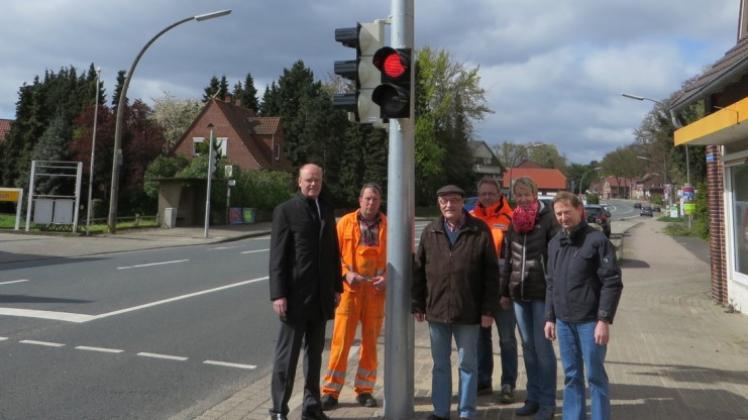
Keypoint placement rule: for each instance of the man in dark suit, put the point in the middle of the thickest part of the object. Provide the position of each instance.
(305, 287)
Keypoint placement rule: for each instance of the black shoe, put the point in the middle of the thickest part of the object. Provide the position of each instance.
(485, 389)
(277, 416)
(320, 415)
(530, 408)
(329, 402)
(366, 400)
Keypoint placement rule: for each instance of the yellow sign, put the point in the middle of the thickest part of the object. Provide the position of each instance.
(689, 208)
(7, 194)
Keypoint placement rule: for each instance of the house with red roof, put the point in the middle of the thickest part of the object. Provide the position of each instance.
(246, 140)
(549, 180)
(4, 127)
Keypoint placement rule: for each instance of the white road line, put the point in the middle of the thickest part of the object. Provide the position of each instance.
(176, 298)
(98, 349)
(57, 316)
(13, 281)
(261, 238)
(221, 248)
(227, 364)
(127, 267)
(80, 318)
(3, 338)
(163, 356)
(255, 251)
(42, 343)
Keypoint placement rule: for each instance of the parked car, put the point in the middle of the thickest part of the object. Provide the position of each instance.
(637, 205)
(470, 203)
(656, 209)
(646, 211)
(597, 214)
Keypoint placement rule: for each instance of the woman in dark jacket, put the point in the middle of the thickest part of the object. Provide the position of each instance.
(523, 279)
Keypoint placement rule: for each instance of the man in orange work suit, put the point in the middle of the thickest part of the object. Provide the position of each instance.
(362, 236)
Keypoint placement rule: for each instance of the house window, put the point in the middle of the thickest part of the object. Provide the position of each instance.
(739, 178)
(196, 142)
(223, 146)
(276, 151)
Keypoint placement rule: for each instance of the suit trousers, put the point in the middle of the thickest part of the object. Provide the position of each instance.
(290, 338)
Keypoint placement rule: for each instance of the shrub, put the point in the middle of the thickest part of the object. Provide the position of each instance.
(261, 189)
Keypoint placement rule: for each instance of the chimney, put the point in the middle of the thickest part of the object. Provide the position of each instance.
(743, 20)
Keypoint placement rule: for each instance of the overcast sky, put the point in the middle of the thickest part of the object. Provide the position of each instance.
(553, 70)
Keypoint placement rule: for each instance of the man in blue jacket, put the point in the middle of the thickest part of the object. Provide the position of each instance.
(583, 289)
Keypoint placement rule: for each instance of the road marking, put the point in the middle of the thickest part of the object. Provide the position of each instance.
(80, 318)
(176, 298)
(227, 364)
(261, 238)
(98, 349)
(13, 281)
(127, 267)
(42, 343)
(221, 248)
(163, 356)
(255, 251)
(57, 316)
(3, 338)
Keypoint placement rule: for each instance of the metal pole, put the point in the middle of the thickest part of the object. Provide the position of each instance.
(399, 328)
(19, 207)
(114, 190)
(31, 194)
(210, 175)
(93, 149)
(78, 179)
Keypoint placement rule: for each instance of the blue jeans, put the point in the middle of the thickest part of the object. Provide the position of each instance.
(579, 353)
(505, 324)
(466, 338)
(540, 359)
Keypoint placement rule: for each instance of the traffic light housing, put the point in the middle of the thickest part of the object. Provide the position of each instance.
(393, 94)
(366, 38)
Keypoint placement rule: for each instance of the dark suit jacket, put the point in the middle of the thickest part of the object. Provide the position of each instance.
(305, 259)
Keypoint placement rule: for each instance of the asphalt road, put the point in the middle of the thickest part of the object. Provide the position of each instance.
(137, 335)
(150, 334)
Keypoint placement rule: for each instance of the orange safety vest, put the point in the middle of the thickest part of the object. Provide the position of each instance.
(498, 217)
(362, 259)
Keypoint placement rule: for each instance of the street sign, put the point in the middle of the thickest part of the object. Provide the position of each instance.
(228, 171)
(10, 194)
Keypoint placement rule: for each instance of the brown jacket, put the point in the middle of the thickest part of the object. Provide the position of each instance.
(456, 284)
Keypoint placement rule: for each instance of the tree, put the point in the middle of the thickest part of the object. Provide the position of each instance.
(248, 96)
(270, 101)
(212, 90)
(174, 116)
(162, 167)
(52, 145)
(448, 99)
(546, 155)
(511, 154)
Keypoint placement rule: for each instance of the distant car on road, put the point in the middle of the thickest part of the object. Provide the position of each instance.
(470, 203)
(597, 214)
(637, 205)
(646, 211)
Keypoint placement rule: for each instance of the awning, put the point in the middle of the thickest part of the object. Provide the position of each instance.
(721, 127)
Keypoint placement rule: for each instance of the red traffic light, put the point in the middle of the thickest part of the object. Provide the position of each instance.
(393, 66)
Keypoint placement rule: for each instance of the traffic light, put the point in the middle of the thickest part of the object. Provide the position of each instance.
(393, 94)
(366, 38)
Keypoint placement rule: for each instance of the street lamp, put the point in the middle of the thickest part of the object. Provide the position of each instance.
(117, 161)
(93, 149)
(675, 122)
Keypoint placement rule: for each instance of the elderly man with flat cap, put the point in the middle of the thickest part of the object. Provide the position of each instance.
(455, 289)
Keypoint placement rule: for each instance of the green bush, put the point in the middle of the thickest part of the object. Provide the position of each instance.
(592, 198)
(261, 189)
(162, 167)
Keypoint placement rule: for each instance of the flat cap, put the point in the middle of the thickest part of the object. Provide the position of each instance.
(450, 189)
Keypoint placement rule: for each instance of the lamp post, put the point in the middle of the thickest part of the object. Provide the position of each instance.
(93, 149)
(117, 161)
(675, 122)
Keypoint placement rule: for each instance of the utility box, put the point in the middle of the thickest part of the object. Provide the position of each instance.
(170, 218)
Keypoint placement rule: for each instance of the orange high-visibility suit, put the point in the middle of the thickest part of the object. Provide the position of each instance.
(498, 217)
(359, 302)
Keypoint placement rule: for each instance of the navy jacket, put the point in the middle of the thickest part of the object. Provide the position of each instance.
(584, 281)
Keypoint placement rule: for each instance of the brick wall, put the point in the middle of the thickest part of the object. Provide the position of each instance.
(715, 186)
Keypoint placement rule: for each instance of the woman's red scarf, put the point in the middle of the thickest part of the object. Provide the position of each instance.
(523, 217)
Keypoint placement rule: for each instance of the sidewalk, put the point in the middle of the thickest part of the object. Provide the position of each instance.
(21, 246)
(673, 353)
